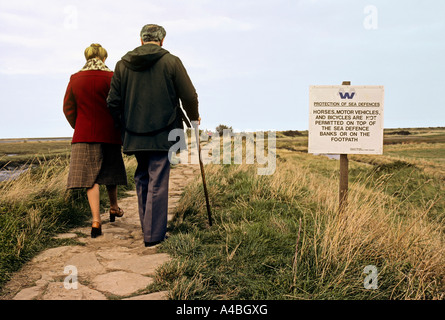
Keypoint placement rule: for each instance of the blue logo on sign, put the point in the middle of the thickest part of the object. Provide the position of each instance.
(346, 95)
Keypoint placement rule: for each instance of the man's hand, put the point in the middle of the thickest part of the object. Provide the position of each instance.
(195, 123)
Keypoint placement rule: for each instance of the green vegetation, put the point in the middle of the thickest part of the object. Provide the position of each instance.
(220, 129)
(416, 135)
(36, 206)
(273, 237)
(282, 237)
(19, 152)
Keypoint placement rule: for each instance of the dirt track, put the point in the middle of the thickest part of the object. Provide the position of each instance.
(116, 265)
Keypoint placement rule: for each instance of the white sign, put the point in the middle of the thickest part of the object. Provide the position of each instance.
(346, 119)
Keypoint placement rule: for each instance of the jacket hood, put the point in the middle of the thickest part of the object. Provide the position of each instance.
(143, 57)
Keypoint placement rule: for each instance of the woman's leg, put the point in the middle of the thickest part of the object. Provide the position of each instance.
(112, 195)
(93, 195)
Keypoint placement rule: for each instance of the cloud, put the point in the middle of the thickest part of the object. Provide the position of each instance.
(220, 23)
(240, 54)
(50, 36)
(23, 41)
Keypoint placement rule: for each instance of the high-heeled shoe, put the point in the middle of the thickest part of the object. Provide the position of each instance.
(115, 213)
(96, 229)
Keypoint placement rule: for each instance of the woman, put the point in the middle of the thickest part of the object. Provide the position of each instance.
(96, 157)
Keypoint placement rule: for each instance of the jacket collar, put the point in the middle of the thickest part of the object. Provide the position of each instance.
(95, 64)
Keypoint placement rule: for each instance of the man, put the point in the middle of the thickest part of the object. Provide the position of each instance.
(146, 87)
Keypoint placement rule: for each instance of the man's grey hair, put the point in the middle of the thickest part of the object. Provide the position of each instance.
(152, 32)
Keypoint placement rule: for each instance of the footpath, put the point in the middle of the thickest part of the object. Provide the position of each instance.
(115, 265)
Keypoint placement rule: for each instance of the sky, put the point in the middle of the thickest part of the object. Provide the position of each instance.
(251, 61)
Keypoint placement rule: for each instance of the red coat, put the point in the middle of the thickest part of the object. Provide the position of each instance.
(85, 107)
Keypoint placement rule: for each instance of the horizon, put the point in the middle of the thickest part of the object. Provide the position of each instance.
(211, 130)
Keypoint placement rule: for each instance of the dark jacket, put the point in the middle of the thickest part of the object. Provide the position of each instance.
(146, 87)
(85, 107)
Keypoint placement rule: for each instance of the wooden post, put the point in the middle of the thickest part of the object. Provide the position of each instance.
(343, 194)
(344, 174)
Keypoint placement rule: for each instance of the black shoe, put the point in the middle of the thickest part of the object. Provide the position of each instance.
(115, 213)
(152, 244)
(96, 229)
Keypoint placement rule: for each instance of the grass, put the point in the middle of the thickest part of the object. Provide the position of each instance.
(274, 237)
(19, 152)
(36, 206)
(430, 136)
(282, 237)
(417, 135)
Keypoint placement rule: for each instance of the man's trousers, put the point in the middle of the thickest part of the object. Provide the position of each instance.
(151, 178)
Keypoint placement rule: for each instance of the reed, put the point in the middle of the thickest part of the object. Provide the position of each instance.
(36, 206)
(282, 236)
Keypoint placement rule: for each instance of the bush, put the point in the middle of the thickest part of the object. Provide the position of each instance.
(220, 129)
(401, 132)
(292, 133)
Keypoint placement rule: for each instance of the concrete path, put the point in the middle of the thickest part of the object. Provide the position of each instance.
(115, 265)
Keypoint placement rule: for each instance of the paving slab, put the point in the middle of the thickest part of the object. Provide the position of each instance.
(114, 265)
(121, 283)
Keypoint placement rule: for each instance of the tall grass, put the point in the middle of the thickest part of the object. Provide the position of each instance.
(16, 153)
(36, 206)
(282, 237)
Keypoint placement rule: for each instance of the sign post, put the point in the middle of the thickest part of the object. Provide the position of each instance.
(344, 175)
(345, 120)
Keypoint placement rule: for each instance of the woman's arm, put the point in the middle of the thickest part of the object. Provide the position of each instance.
(70, 106)
(114, 99)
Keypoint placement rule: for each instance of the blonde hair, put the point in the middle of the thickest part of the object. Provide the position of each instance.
(95, 50)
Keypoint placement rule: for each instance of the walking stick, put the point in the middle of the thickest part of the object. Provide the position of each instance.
(189, 124)
(209, 213)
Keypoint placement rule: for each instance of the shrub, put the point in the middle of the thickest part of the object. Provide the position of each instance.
(220, 129)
